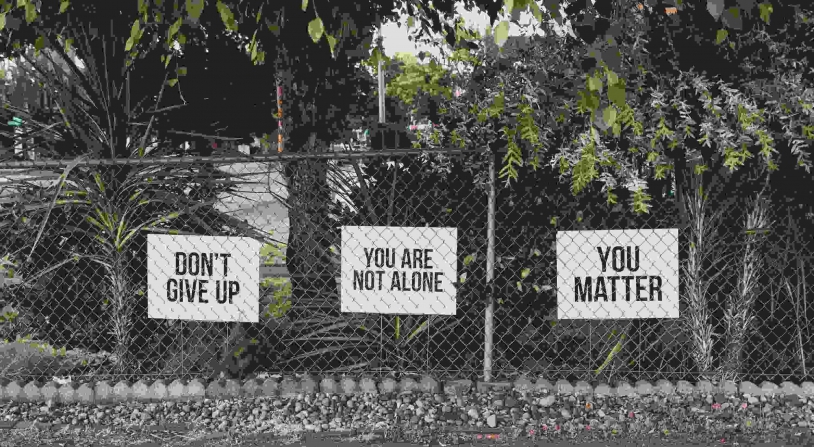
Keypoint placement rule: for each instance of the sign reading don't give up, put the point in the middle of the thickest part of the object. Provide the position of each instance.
(399, 270)
(203, 278)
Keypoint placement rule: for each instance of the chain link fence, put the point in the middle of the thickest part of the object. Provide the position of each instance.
(74, 241)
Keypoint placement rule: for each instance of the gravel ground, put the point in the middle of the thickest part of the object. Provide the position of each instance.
(420, 418)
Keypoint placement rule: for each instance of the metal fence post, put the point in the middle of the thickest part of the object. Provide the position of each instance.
(489, 316)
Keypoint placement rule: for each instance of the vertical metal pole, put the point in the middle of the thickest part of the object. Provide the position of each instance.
(381, 80)
(380, 68)
(489, 317)
(279, 118)
(183, 342)
(381, 88)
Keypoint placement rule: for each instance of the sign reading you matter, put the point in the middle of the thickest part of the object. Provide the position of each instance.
(203, 278)
(399, 270)
(617, 274)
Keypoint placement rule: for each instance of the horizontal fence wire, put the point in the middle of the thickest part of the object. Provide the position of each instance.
(75, 295)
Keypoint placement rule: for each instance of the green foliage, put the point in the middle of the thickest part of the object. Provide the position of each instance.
(316, 29)
(227, 16)
(613, 352)
(501, 33)
(721, 35)
(640, 201)
(585, 171)
(415, 78)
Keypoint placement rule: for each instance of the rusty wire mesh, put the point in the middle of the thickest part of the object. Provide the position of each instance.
(80, 309)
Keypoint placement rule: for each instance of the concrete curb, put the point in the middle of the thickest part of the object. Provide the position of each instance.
(104, 392)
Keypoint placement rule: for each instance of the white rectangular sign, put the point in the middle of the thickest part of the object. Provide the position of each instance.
(399, 270)
(617, 274)
(203, 278)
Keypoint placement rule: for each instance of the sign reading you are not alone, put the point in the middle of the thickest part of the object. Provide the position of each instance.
(617, 274)
(203, 278)
(399, 270)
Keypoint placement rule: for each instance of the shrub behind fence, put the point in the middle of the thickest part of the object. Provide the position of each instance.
(80, 308)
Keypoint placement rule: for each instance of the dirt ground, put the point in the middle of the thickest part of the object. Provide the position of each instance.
(138, 437)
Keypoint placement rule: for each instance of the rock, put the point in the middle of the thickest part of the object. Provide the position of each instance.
(547, 401)
(565, 413)
(473, 413)
(491, 421)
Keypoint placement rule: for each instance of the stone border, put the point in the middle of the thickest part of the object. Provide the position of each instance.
(104, 392)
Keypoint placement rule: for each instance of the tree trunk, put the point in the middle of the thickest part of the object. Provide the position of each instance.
(310, 234)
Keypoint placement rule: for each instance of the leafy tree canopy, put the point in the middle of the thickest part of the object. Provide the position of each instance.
(635, 117)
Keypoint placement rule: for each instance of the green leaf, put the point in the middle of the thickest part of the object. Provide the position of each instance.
(609, 115)
(99, 183)
(2, 21)
(612, 197)
(468, 259)
(316, 29)
(227, 16)
(535, 11)
(304, 5)
(721, 36)
(594, 83)
(616, 93)
(30, 12)
(195, 8)
(173, 30)
(501, 33)
(766, 10)
(524, 273)
(68, 43)
(39, 44)
(410, 22)
(135, 29)
(331, 42)
(129, 44)
(63, 6)
(612, 78)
